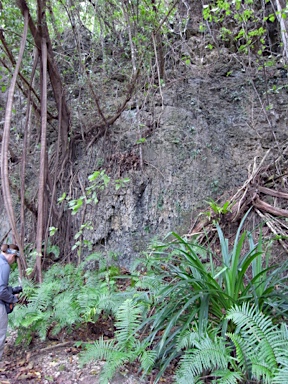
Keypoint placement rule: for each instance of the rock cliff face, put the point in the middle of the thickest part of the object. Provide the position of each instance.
(210, 126)
(208, 123)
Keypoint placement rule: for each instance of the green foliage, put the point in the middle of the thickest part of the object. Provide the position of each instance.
(210, 312)
(128, 320)
(219, 209)
(246, 24)
(125, 348)
(211, 356)
(120, 183)
(258, 351)
(98, 182)
(261, 347)
(69, 296)
(183, 293)
(11, 20)
(190, 288)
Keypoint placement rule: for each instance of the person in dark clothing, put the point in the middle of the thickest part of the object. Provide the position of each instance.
(7, 257)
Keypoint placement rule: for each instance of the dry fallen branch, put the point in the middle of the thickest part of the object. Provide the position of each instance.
(50, 348)
(268, 208)
(271, 192)
(265, 191)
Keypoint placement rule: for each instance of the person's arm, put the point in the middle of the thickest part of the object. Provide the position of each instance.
(6, 294)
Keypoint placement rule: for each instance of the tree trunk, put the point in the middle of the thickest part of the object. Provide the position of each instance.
(5, 143)
(43, 163)
(283, 26)
(54, 74)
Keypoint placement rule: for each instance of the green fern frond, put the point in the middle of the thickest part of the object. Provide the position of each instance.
(117, 360)
(147, 360)
(66, 312)
(29, 321)
(109, 302)
(282, 357)
(41, 327)
(244, 351)
(44, 295)
(96, 256)
(56, 272)
(226, 376)
(128, 320)
(37, 322)
(187, 340)
(108, 351)
(261, 371)
(209, 356)
(188, 380)
(259, 331)
(99, 350)
(31, 317)
(29, 287)
(97, 297)
(88, 297)
(260, 346)
(284, 330)
(248, 318)
(281, 376)
(91, 280)
(152, 283)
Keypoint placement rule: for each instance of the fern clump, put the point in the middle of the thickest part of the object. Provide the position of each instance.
(261, 347)
(258, 352)
(68, 297)
(206, 355)
(125, 348)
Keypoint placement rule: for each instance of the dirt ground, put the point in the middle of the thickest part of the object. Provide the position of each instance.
(54, 362)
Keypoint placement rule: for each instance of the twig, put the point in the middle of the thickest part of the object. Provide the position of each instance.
(51, 347)
(269, 224)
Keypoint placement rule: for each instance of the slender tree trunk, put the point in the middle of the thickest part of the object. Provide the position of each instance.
(24, 151)
(43, 45)
(43, 163)
(54, 74)
(283, 26)
(5, 143)
(158, 46)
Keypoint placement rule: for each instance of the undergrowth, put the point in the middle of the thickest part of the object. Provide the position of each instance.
(214, 317)
(68, 297)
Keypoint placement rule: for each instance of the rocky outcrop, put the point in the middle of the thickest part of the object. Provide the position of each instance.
(208, 128)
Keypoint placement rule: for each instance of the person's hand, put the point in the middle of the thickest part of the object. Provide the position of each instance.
(11, 305)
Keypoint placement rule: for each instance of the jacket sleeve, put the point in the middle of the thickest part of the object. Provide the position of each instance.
(6, 294)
